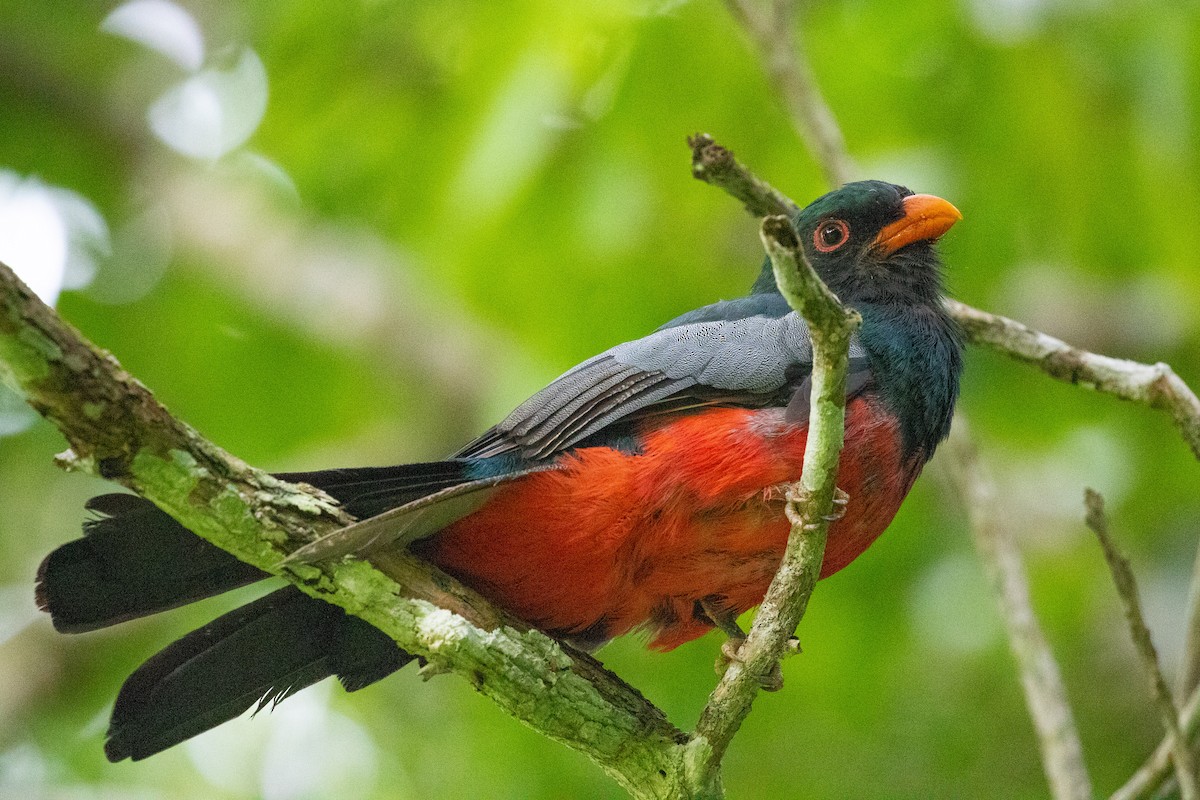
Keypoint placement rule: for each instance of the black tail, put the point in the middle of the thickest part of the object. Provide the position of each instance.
(132, 561)
(135, 560)
(254, 655)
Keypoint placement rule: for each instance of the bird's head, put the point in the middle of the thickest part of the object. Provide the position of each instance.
(872, 241)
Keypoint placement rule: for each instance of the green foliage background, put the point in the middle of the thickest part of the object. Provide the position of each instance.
(509, 181)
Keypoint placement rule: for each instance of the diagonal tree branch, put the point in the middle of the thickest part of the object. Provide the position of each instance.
(1153, 385)
(1185, 767)
(117, 430)
(1041, 679)
(717, 165)
(1154, 778)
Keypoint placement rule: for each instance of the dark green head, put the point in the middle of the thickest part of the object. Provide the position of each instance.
(872, 242)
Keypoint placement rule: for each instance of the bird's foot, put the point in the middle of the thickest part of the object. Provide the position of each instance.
(431, 669)
(838, 509)
(731, 648)
(730, 653)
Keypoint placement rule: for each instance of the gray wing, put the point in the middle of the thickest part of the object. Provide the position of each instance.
(753, 361)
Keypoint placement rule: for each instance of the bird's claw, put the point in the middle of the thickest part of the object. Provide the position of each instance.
(431, 669)
(838, 509)
(730, 653)
(726, 621)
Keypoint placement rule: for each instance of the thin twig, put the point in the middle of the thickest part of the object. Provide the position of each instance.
(1185, 767)
(1158, 770)
(808, 504)
(1189, 668)
(717, 165)
(775, 33)
(1045, 694)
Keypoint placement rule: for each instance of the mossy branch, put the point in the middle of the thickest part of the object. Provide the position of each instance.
(118, 430)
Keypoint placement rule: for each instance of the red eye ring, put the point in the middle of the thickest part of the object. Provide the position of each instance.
(830, 235)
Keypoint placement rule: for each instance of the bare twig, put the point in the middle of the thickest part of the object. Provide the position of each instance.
(1153, 385)
(1189, 668)
(808, 504)
(714, 164)
(773, 29)
(1045, 694)
(1157, 772)
(1185, 767)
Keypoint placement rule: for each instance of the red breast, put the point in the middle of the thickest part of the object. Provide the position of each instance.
(615, 540)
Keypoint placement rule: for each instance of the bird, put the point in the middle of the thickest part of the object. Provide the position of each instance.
(642, 490)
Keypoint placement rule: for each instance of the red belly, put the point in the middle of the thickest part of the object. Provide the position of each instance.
(615, 541)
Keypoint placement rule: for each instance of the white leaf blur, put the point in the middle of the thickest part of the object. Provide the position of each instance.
(298, 750)
(49, 236)
(214, 111)
(161, 26)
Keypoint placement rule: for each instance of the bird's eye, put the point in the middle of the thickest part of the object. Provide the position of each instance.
(830, 235)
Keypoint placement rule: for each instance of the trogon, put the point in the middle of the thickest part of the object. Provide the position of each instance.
(640, 490)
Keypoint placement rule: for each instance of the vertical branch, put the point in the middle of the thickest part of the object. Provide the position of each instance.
(1185, 767)
(808, 504)
(775, 33)
(1045, 694)
(1189, 668)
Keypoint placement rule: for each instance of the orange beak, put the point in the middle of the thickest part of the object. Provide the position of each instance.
(925, 219)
